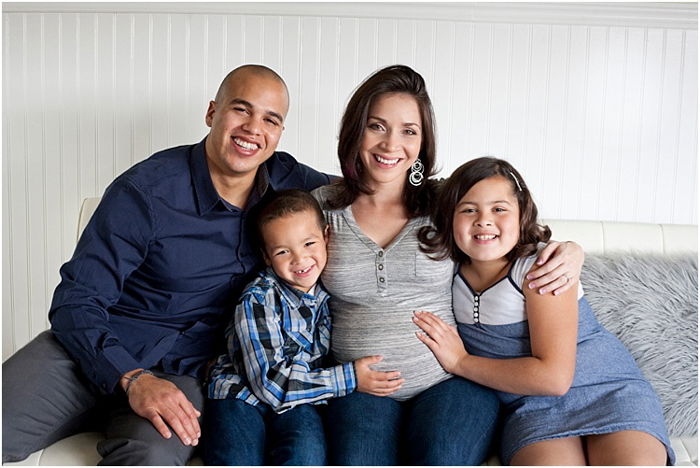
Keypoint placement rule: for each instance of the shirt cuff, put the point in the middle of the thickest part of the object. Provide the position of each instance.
(345, 378)
(109, 367)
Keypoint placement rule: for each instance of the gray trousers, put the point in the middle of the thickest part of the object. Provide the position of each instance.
(45, 398)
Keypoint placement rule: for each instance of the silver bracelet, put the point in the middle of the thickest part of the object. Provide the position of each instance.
(134, 377)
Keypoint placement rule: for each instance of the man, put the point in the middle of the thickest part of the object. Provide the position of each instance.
(140, 306)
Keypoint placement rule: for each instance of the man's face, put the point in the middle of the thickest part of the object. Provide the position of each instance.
(246, 124)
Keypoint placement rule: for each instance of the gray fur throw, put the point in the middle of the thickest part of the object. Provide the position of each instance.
(650, 303)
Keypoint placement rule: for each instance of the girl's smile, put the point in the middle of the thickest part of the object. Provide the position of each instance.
(487, 220)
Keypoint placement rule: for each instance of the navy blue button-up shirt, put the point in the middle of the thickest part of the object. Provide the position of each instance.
(159, 267)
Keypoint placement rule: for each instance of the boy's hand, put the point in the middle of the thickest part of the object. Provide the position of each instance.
(442, 339)
(377, 383)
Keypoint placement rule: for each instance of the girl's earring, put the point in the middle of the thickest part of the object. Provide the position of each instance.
(416, 175)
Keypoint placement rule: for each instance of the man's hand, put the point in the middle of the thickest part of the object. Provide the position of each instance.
(559, 269)
(162, 403)
(377, 383)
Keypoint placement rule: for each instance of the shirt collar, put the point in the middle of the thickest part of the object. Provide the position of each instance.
(207, 196)
(295, 296)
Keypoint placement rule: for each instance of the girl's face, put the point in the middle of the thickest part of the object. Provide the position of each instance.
(392, 139)
(486, 221)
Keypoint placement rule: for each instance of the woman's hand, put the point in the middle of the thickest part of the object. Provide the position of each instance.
(559, 272)
(442, 339)
(377, 383)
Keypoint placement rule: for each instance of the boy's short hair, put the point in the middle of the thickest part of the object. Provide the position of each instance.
(286, 202)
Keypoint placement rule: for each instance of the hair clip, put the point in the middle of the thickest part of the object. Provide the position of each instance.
(516, 181)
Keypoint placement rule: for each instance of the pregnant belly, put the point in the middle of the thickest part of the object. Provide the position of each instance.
(400, 349)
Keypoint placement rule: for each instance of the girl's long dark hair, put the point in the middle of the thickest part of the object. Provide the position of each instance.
(393, 79)
(439, 242)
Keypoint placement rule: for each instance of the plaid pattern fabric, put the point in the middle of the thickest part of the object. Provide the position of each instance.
(276, 342)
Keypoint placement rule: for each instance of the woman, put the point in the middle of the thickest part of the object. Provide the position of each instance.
(377, 276)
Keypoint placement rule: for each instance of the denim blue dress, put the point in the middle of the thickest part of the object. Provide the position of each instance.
(608, 393)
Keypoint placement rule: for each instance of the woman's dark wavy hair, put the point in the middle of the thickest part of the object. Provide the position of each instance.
(439, 240)
(391, 79)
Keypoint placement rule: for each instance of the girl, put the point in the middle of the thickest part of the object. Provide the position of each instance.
(573, 395)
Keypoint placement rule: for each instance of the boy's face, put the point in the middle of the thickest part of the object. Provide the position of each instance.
(295, 247)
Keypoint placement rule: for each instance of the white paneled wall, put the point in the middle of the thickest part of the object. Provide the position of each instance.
(595, 103)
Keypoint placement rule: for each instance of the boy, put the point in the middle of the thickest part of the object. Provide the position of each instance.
(262, 393)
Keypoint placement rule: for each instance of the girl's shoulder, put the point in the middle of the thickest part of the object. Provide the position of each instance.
(523, 265)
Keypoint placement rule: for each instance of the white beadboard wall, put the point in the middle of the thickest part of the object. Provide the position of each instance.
(596, 104)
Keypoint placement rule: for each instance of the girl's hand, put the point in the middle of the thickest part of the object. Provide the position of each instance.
(442, 339)
(377, 383)
(560, 272)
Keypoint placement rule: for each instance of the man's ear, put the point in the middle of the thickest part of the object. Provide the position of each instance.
(327, 232)
(209, 116)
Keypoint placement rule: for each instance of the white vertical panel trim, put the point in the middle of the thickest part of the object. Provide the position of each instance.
(528, 82)
(603, 114)
(44, 175)
(470, 88)
(132, 103)
(317, 88)
(336, 110)
(490, 90)
(433, 42)
(114, 95)
(584, 130)
(620, 168)
(565, 110)
(168, 72)
(78, 66)
(657, 169)
(620, 146)
(300, 54)
(639, 129)
(676, 149)
(509, 87)
(450, 102)
(413, 41)
(205, 53)
(27, 211)
(188, 51)
(149, 84)
(547, 74)
(95, 82)
(8, 182)
(61, 128)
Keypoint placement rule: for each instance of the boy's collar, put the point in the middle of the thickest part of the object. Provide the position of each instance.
(295, 295)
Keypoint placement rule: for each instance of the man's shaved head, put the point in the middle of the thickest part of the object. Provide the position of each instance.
(252, 69)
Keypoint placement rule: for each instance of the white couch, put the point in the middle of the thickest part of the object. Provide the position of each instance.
(595, 237)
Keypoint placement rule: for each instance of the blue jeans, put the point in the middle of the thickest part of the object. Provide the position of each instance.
(451, 423)
(236, 433)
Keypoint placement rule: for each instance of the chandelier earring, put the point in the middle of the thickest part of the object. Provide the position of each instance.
(416, 175)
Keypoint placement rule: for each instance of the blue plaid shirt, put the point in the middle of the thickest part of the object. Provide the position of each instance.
(276, 343)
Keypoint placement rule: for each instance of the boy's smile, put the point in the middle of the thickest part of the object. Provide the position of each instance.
(295, 247)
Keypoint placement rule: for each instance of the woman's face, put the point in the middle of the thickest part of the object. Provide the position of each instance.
(392, 139)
